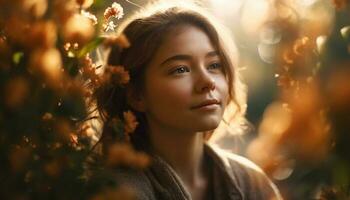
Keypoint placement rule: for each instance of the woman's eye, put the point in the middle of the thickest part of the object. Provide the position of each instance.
(180, 70)
(215, 66)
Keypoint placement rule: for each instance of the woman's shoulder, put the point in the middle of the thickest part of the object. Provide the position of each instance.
(250, 178)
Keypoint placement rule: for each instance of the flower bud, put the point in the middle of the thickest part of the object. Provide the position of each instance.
(43, 34)
(47, 64)
(36, 8)
(85, 3)
(78, 29)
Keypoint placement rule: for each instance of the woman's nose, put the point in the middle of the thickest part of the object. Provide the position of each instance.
(205, 82)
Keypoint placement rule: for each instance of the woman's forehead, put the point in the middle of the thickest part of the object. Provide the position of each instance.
(185, 40)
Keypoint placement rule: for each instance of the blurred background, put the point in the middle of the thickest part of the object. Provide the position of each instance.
(294, 56)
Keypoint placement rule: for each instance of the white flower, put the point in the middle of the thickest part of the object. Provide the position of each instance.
(110, 26)
(90, 16)
(116, 10)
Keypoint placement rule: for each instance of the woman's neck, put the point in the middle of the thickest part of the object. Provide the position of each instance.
(184, 152)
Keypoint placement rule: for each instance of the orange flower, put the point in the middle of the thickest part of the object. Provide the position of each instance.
(42, 34)
(64, 10)
(124, 154)
(116, 10)
(46, 63)
(118, 74)
(119, 154)
(85, 3)
(89, 70)
(301, 45)
(31, 35)
(73, 89)
(14, 28)
(285, 81)
(288, 56)
(130, 122)
(78, 29)
(121, 40)
(90, 73)
(36, 8)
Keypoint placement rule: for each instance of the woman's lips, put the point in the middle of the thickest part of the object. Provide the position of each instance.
(207, 104)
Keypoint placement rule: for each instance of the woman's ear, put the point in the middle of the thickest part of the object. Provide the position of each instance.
(135, 99)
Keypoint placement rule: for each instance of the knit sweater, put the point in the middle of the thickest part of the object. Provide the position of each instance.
(232, 178)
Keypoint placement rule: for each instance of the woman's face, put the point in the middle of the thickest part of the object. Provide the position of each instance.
(185, 85)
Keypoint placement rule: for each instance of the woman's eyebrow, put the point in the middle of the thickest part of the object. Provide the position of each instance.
(212, 54)
(177, 57)
(187, 57)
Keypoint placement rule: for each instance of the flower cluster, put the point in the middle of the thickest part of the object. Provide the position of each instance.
(130, 122)
(47, 75)
(123, 154)
(117, 75)
(114, 11)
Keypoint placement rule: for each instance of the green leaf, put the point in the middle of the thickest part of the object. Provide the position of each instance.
(90, 46)
(17, 57)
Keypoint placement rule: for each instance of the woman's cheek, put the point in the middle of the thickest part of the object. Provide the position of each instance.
(176, 91)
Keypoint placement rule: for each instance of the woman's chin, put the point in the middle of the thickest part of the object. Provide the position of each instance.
(208, 125)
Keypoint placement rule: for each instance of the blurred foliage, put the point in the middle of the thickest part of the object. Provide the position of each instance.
(47, 77)
(304, 139)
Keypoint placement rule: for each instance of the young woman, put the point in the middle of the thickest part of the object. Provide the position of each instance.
(184, 87)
